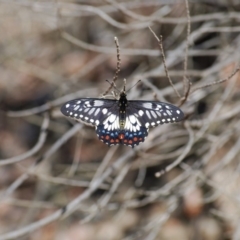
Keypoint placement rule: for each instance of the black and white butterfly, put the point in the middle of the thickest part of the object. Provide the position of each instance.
(121, 121)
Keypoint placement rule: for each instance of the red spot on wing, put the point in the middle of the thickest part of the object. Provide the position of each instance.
(121, 136)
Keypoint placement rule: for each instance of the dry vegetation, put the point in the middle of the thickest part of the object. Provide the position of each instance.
(58, 181)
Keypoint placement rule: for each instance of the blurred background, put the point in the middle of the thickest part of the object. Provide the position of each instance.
(58, 181)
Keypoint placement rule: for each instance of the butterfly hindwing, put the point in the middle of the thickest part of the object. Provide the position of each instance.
(117, 136)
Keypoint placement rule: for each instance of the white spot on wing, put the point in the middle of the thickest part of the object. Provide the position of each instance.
(134, 128)
(128, 124)
(67, 105)
(98, 103)
(169, 113)
(132, 119)
(112, 118)
(147, 125)
(154, 114)
(147, 105)
(97, 111)
(104, 111)
(178, 112)
(148, 114)
(140, 112)
(97, 122)
(87, 104)
(76, 108)
(91, 111)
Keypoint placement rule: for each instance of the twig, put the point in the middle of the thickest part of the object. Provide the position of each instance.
(218, 82)
(77, 155)
(35, 149)
(51, 104)
(117, 68)
(46, 155)
(106, 198)
(186, 81)
(164, 61)
(182, 156)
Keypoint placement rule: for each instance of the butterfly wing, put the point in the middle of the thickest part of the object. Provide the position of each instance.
(152, 113)
(91, 111)
(141, 115)
(101, 113)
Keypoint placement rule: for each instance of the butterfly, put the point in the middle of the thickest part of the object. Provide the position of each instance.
(121, 121)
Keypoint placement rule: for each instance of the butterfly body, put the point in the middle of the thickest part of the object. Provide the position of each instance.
(122, 103)
(121, 121)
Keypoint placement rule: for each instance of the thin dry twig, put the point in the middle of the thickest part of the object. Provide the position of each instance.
(71, 206)
(218, 82)
(164, 61)
(48, 106)
(186, 81)
(35, 149)
(183, 155)
(39, 160)
(117, 68)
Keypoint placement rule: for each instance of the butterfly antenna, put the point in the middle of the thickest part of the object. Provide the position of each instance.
(134, 85)
(113, 85)
(124, 85)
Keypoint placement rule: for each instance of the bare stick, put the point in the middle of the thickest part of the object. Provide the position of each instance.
(164, 61)
(118, 60)
(182, 156)
(185, 79)
(217, 82)
(35, 149)
(117, 68)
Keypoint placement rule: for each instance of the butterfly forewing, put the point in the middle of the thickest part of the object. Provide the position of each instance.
(151, 113)
(92, 111)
